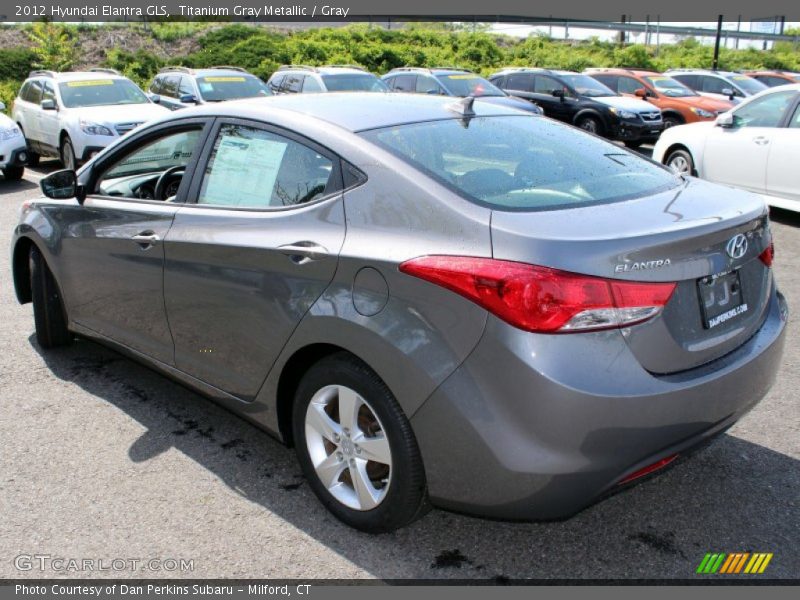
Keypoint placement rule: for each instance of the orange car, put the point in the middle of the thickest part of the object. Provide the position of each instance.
(678, 103)
(773, 78)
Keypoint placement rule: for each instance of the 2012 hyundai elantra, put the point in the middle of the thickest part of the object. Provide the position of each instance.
(435, 300)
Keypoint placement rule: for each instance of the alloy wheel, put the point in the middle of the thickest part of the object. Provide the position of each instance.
(680, 164)
(348, 447)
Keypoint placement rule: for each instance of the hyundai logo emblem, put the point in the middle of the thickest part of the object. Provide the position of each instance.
(737, 246)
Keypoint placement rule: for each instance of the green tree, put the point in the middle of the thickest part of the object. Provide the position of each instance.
(53, 45)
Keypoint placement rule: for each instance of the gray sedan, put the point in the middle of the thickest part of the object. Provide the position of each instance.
(437, 301)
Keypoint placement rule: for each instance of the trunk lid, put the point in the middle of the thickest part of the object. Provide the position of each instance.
(677, 236)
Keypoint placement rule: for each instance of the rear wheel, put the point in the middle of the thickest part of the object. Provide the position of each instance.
(356, 447)
(68, 154)
(590, 124)
(681, 161)
(13, 173)
(48, 310)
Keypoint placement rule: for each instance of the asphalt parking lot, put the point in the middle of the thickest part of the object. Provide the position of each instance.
(102, 459)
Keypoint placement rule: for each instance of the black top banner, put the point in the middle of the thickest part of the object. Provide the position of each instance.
(408, 10)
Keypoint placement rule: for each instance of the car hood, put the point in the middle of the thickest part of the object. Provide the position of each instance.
(5, 121)
(704, 102)
(511, 103)
(119, 113)
(631, 104)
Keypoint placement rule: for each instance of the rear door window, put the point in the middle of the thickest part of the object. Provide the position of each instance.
(405, 83)
(254, 168)
(170, 86)
(276, 81)
(521, 82)
(34, 93)
(157, 85)
(293, 84)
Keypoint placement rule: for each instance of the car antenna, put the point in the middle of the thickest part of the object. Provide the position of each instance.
(463, 106)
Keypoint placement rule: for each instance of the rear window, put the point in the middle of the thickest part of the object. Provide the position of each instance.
(523, 163)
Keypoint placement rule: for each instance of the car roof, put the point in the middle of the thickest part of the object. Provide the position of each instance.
(76, 75)
(219, 71)
(353, 111)
(323, 69)
(542, 70)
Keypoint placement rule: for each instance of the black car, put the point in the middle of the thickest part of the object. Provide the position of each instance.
(451, 81)
(584, 102)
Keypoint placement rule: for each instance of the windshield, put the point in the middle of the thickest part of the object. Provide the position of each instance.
(99, 92)
(468, 84)
(519, 163)
(670, 87)
(586, 86)
(216, 88)
(354, 82)
(748, 84)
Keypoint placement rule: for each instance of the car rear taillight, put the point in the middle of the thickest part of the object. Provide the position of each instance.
(542, 299)
(768, 255)
(660, 464)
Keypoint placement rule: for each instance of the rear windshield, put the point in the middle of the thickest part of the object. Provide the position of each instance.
(99, 92)
(354, 82)
(216, 88)
(522, 162)
(468, 84)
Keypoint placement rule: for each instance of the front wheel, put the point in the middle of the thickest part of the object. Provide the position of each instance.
(590, 124)
(680, 161)
(13, 173)
(672, 121)
(356, 447)
(68, 154)
(48, 309)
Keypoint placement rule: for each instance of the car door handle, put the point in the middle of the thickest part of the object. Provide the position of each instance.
(302, 252)
(761, 140)
(146, 239)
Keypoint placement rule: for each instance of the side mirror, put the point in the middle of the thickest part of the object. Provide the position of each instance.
(48, 104)
(725, 120)
(640, 93)
(155, 98)
(188, 99)
(61, 185)
(2, 106)
(558, 94)
(728, 92)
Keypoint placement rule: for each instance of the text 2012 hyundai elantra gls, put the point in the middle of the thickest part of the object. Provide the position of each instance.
(437, 301)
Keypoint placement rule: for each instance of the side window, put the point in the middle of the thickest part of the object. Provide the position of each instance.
(35, 92)
(275, 82)
(48, 93)
(428, 85)
(521, 82)
(293, 83)
(607, 80)
(311, 85)
(171, 86)
(795, 121)
(156, 86)
(689, 81)
(767, 111)
(136, 174)
(185, 87)
(715, 85)
(628, 85)
(405, 83)
(24, 90)
(545, 85)
(772, 81)
(253, 168)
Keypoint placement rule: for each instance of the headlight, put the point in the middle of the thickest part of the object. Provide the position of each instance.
(703, 114)
(623, 114)
(9, 133)
(94, 128)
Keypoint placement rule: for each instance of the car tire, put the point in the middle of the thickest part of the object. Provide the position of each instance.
(48, 310)
(68, 154)
(372, 496)
(33, 159)
(590, 124)
(13, 173)
(672, 121)
(681, 160)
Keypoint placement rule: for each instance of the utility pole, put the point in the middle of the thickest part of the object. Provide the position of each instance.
(622, 33)
(716, 44)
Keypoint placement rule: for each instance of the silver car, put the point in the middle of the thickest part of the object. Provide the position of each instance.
(437, 301)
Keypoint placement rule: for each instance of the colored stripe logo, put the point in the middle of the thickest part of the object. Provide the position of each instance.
(733, 564)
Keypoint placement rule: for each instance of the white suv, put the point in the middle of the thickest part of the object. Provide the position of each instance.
(72, 116)
(297, 79)
(721, 85)
(13, 152)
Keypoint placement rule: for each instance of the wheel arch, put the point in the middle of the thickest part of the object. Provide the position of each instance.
(21, 269)
(590, 112)
(680, 146)
(673, 112)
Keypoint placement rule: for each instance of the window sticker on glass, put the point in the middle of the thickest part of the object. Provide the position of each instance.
(89, 83)
(461, 76)
(243, 172)
(223, 79)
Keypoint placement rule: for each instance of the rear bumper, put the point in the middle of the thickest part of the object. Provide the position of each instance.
(541, 426)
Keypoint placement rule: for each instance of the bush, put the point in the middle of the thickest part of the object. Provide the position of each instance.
(16, 63)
